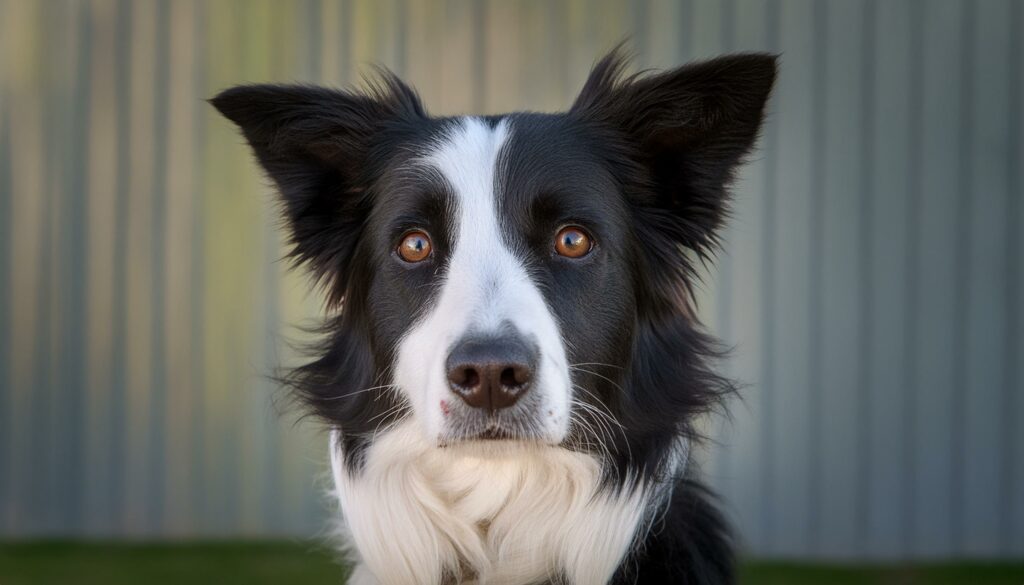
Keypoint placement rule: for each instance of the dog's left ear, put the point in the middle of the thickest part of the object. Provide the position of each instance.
(692, 127)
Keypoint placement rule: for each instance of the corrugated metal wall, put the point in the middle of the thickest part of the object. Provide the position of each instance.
(872, 284)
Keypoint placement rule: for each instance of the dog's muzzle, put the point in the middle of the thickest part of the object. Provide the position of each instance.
(494, 377)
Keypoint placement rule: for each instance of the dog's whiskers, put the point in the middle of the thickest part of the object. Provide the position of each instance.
(596, 364)
(600, 430)
(364, 390)
(592, 373)
(397, 410)
(602, 413)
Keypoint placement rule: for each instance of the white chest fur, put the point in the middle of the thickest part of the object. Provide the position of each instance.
(418, 513)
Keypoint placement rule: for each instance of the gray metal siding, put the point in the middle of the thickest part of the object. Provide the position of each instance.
(871, 281)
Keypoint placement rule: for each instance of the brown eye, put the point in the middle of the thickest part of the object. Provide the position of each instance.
(415, 247)
(573, 242)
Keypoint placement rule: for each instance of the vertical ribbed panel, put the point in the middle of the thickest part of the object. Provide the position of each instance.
(871, 283)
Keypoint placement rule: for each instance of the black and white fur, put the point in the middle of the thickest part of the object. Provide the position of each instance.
(586, 479)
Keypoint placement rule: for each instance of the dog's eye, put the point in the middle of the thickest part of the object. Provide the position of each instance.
(415, 247)
(573, 242)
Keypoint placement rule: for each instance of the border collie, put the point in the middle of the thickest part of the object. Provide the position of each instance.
(512, 367)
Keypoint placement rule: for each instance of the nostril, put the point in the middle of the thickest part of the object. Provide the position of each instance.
(471, 378)
(508, 378)
(515, 376)
(465, 377)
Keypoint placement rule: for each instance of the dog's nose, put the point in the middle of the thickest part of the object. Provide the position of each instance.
(491, 372)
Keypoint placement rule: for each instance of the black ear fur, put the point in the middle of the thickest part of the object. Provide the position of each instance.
(692, 126)
(315, 144)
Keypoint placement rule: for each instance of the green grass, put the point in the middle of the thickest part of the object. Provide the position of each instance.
(255, 563)
(973, 573)
(226, 563)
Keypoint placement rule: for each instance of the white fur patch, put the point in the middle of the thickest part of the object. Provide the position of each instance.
(487, 513)
(485, 287)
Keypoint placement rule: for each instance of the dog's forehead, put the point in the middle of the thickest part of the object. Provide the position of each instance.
(523, 156)
(555, 156)
(529, 166)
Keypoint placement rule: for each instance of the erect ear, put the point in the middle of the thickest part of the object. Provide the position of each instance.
(691, 127)
(315, 144)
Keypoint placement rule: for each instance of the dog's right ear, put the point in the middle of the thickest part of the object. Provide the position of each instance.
(315, 144)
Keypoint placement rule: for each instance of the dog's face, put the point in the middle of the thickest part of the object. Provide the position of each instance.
(527, 274)
(504, 277)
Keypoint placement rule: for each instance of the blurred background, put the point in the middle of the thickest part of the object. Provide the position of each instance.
(871, 281)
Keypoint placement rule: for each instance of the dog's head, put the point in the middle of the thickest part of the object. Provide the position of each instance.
(505, 277)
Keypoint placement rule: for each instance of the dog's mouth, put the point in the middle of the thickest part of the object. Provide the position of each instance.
(532, 418)
(494, 429)
(490, 435)
(501, 435)
(494, 435)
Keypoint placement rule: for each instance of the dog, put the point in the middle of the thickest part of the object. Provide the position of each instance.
(512, 366)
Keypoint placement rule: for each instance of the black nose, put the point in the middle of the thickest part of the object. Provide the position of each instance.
(491, 372)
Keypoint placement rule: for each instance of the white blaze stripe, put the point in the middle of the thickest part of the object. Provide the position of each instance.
(485, 286)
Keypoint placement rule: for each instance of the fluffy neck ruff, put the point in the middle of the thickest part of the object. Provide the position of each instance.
(486, 513)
